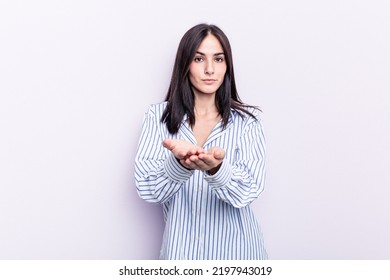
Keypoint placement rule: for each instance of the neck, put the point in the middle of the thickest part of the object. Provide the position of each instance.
(205, 104)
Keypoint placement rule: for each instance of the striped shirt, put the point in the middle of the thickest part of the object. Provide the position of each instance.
(206, 216)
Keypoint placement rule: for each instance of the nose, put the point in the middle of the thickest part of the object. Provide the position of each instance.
(209, 69)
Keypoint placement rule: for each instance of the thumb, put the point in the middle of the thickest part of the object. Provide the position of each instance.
(219, 154)
(167, 143)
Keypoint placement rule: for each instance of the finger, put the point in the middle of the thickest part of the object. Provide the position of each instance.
(207, 158)
(219, 154)
(197, 150)
(180, 155)
(201, 165)
(194, 159)
(183, 162)
(191, 152)
(197, 164)
(205, 162)
(187, 163)
(167, 143)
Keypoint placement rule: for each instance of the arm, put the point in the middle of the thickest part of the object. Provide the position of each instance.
(158, 174)
(242, 182)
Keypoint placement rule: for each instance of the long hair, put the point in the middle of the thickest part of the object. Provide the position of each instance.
(180, 96)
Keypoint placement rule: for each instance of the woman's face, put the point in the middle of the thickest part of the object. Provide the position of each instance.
(208, 68)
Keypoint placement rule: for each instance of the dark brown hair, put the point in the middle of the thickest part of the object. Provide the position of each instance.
(180, 96)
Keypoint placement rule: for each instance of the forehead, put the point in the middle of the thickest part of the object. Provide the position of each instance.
(210, 45)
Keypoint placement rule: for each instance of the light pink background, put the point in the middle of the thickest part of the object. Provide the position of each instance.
(77, 76)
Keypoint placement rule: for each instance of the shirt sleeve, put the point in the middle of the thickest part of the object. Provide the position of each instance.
(158, 174)
(242, 181)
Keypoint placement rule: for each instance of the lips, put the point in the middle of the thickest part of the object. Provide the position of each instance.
(209, 81)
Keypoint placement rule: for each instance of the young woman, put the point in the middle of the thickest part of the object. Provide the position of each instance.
(201, 154)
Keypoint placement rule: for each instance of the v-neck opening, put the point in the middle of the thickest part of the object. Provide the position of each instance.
(188, 134)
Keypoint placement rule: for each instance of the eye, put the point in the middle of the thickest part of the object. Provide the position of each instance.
(198, 59)
(219, 59)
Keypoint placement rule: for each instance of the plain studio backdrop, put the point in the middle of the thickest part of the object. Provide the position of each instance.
(76, 78)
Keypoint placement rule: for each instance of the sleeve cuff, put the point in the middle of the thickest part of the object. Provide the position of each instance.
(222, 177)
(175, 171)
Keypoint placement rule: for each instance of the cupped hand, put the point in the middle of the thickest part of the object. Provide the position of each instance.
(210, 160)
(182, 149)
(194, 157)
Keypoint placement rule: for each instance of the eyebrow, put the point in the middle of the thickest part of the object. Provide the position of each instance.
(214, 54)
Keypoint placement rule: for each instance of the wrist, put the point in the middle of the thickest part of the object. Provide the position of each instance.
(214, 170)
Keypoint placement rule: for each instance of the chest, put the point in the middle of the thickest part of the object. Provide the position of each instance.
(203, 128)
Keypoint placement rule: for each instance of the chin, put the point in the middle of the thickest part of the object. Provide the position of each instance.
(207, 92)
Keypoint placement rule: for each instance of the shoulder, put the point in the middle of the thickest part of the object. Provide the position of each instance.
(255, 111)
(157, 109)
(245, 122)
(253, 114)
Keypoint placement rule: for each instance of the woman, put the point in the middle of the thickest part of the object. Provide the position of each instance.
(201, 154)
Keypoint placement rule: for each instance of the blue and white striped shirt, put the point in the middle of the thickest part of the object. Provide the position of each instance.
(207, 216)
